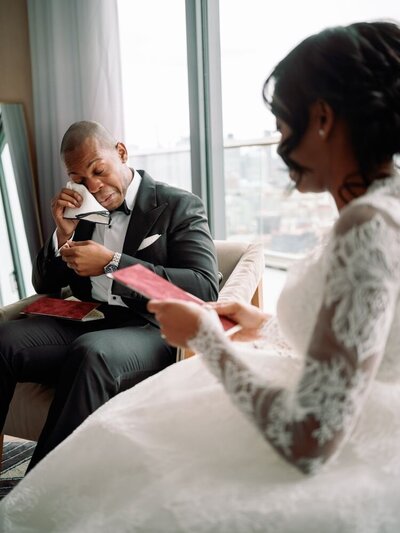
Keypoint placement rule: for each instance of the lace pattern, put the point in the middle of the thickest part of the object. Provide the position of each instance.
(301, 298)
(272, 336)
(309, 423)
(363, 281)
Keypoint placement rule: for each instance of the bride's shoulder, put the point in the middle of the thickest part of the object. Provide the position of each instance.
(373, 211)
(354, 215)
(364, 217)
(365, 234)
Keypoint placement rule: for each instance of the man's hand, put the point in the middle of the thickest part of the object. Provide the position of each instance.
(65, 227)
(87, 258)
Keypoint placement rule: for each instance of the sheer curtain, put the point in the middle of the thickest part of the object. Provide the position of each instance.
(16, 136)
(76, 76)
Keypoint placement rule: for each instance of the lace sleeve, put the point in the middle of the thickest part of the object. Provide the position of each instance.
(271, 337)
(308, 423)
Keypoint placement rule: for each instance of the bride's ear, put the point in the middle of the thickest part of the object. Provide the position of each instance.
(323, 118)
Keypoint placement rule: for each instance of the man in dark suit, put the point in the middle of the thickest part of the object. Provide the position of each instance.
(158, 226)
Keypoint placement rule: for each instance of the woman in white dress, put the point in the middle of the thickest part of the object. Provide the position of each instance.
(175, 454)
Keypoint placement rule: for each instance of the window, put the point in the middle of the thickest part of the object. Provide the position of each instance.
(255, 35)
(155, 88)
(15, 274)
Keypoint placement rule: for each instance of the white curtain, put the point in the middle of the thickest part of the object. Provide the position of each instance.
(76, 75)
(16, 136)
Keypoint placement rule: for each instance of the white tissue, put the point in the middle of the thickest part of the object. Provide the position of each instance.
(90, 209)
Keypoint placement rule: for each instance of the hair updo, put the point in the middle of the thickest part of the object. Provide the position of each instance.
(356, 70)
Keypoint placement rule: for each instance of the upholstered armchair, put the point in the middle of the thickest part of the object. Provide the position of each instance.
(241, 266)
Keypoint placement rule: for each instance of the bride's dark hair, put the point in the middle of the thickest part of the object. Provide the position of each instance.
(356, 70)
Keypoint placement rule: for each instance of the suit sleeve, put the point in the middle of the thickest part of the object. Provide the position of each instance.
(50, 273)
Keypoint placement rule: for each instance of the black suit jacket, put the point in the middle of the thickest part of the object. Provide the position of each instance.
(184, 254)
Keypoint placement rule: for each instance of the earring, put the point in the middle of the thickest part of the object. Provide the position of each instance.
(321, 132)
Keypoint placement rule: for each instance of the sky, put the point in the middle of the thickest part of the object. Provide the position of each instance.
(255, 35)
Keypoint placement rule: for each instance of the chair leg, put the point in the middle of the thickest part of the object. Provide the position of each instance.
(1, 448)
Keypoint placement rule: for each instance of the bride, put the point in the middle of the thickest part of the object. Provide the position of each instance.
(319, 386)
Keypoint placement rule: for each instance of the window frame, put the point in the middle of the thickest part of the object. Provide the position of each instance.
(205, 109)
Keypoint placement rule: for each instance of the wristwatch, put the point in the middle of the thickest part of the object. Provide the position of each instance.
(113, 264)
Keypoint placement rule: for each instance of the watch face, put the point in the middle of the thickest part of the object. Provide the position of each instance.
(110, 268)
(113, 264)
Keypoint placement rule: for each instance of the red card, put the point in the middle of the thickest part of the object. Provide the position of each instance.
(70, 309)
(151, 285)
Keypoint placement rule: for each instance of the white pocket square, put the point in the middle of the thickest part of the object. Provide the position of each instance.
(148, 241)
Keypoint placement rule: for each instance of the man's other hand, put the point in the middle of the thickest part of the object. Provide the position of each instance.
(86, 258)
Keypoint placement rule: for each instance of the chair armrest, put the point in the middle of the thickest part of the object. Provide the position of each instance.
(11, 311)
(246, 277)
(244, 284)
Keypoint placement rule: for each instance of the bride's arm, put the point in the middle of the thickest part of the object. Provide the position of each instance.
(308, 424)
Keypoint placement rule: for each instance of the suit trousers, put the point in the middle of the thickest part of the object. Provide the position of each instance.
(87, 363)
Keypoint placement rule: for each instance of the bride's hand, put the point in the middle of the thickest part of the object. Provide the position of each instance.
(251, 318)
(179, 321)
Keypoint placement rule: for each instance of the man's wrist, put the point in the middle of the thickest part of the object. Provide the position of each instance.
(62, 238)
(113, 265)
(56, 243)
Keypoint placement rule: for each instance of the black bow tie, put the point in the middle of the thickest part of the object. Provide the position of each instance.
(123, 208)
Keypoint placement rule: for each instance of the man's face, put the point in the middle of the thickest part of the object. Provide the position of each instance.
(103, 171)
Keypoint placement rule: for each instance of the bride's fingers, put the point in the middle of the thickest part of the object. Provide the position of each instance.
(171, 305)
(152, 306)
(225, 308)
(156, 306)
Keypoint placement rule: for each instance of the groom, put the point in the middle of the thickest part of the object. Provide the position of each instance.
(152, 224)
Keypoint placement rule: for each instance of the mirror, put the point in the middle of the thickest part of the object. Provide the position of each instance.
(19, 227)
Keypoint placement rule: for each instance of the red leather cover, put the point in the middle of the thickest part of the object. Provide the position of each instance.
(57, 307)
(151, 285)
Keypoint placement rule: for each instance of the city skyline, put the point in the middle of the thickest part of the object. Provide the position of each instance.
(255, 35)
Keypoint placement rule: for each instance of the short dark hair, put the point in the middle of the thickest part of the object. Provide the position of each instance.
(356, 70)
(78, 132)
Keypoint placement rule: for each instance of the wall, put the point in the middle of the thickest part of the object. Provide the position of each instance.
(15, 62)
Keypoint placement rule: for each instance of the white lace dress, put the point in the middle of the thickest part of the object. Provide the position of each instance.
(175, 454)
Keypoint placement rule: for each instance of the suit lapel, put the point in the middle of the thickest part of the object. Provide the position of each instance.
(145, 213)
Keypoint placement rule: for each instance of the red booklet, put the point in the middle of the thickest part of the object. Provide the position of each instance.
(151, 285)
(69, 309)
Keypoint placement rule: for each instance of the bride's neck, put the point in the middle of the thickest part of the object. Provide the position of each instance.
(352, 185)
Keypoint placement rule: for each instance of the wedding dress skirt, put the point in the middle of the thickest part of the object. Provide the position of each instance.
(175, 455)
